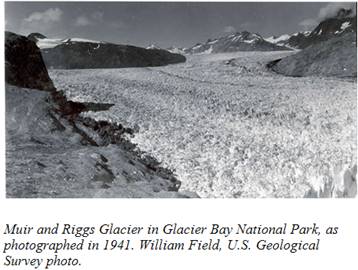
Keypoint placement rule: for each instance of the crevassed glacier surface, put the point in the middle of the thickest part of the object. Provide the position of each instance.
(227, 125)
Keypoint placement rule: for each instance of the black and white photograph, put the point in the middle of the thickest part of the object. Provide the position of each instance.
(181, 99)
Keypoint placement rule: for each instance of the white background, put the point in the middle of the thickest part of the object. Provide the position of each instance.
(337, 252)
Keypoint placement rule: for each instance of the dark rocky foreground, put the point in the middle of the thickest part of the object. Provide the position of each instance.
(335, 57)
(54, 152)
(81, 55)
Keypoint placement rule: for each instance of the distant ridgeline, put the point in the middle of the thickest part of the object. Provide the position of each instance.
(76, 53)
(329, 50)
(344, 22)
(241, 41)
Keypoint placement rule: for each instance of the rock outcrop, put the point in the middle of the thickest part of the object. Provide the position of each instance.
(24, 66)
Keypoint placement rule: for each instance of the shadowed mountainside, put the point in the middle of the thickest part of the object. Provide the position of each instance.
(76, 53)
(335, 57)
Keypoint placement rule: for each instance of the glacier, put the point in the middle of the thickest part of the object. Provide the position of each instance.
(229, 127)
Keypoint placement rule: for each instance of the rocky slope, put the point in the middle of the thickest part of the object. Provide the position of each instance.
(76, 53)
(243, 41)
(335, 57)
(51, 151)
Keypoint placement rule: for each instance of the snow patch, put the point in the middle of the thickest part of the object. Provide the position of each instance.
(84, 40)
(48, 43)
(275, 40)
(210, 50)
(153, 47)
(213, 41)
(197, 47)
(345, 25)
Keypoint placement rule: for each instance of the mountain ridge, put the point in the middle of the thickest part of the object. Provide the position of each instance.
(79, 53)
(239, 41)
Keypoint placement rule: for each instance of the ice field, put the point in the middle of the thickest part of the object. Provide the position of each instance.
(228, 126)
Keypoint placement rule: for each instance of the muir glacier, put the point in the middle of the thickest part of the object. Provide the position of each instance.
(228, 126)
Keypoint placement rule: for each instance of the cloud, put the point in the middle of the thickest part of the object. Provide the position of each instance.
(118, 25)
(82, 21)
(41, 22)
(47, 16)
(98, 16)
(328, 11)
(331, 9)
(94, 18)
(308, 24)
(229, 29)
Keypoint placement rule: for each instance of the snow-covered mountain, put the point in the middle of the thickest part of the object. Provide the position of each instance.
(343, 22)
(278, 39)
(288, 39)
(335, 26)
(243, 41)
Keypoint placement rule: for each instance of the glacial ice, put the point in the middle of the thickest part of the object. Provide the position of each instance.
(227, 125)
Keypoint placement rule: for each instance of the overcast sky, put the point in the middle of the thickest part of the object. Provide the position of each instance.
(163, 24)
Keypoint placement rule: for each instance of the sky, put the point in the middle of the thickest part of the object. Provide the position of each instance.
(180, 24)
